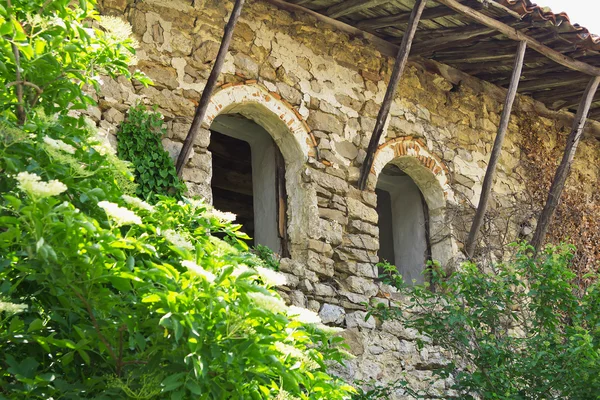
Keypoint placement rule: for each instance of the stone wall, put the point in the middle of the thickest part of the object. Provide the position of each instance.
(317, 92)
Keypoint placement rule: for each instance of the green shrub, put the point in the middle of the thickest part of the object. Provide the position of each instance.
(139, 141)
(105, 296)
(520, 330)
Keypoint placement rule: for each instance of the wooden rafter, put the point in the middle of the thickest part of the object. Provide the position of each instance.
(390, 93)
(562, 172)
(211, 83)
(352, 6)
(488, 181)
(403, 18)
(521, 37)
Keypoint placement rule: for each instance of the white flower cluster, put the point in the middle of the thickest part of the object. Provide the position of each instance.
(222, 216)
(32, 184)
(177, 240)
(12, 308)
(283, 395)
(197, 270)
(303, 315)
(291, 351)
(137, 203)
(270, 277)
(120, 215)
(103, 148)
(269, 303)
(59, 145)
(240, 269)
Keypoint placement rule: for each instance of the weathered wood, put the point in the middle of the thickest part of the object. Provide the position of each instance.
(392, 20)
(384, 111)
(562, 172)
(450, 36)
(521, 37)
(352, 6)
(384, 47)
(488, 181)
(209, 88)
(282, 202)
(545, 84)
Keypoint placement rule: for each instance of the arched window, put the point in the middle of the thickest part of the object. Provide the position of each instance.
(403, 223)
(413, 192)
(249, 179)
(273, 144)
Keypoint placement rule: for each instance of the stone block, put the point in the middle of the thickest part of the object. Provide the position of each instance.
(325, 122)
(358, 210)
(357, 319)
(330, 313)
(362, 286)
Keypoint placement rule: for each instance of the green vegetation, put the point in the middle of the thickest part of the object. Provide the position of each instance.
(522, 330)
(139, 141)
(103, 295)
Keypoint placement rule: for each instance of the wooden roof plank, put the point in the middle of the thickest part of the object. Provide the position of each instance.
(352, 6)
(391, 20)
(520, 36)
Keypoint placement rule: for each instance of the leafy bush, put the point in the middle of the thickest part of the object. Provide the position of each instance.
(522, 330)
(139, 141)
(105, 296)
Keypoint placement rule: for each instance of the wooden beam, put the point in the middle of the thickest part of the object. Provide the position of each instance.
(348, 7)
(442, 38)
(488, 181)
(544, 84)
(392, 20)
(384, 111)
(384, 47)
(521, 37)
(562, 172)
(209, 88)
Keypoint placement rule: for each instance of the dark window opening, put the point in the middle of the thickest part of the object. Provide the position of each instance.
(249, 180)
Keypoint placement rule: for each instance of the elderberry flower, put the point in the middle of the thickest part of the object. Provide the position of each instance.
(268, 303)
(303, 315)
(59, 145)
(221, 216)
(270, 277)
(197, 270)
(138, 203)
(120, 215)
(293, 352)
(32, 184)
(177, 240)
(12, 308)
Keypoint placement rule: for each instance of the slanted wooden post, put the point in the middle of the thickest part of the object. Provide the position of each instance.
(497, 149)
(209, 88)
(384, 111)
(562, 172)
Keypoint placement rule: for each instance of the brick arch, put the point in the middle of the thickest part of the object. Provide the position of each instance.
(267, 109)
(415, 149)
(430, 174)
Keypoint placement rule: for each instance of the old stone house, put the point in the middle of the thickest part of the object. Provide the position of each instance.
(288, 129)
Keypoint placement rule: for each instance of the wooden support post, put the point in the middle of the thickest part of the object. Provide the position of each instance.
(562, 172)
(209, 88)
(497, 149)
(384, 111)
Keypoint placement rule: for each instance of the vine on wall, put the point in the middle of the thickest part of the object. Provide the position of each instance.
(577, 218)
(139, 141)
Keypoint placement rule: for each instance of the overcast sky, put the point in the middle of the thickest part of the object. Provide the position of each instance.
(583, 12)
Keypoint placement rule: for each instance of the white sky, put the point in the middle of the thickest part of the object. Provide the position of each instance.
(583, 12)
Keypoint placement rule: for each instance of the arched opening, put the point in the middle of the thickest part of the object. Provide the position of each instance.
(403, 223)
(405, 170)
(254, 115)
(249, 179)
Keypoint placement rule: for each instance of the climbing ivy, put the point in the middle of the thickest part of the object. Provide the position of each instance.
(139, 141)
